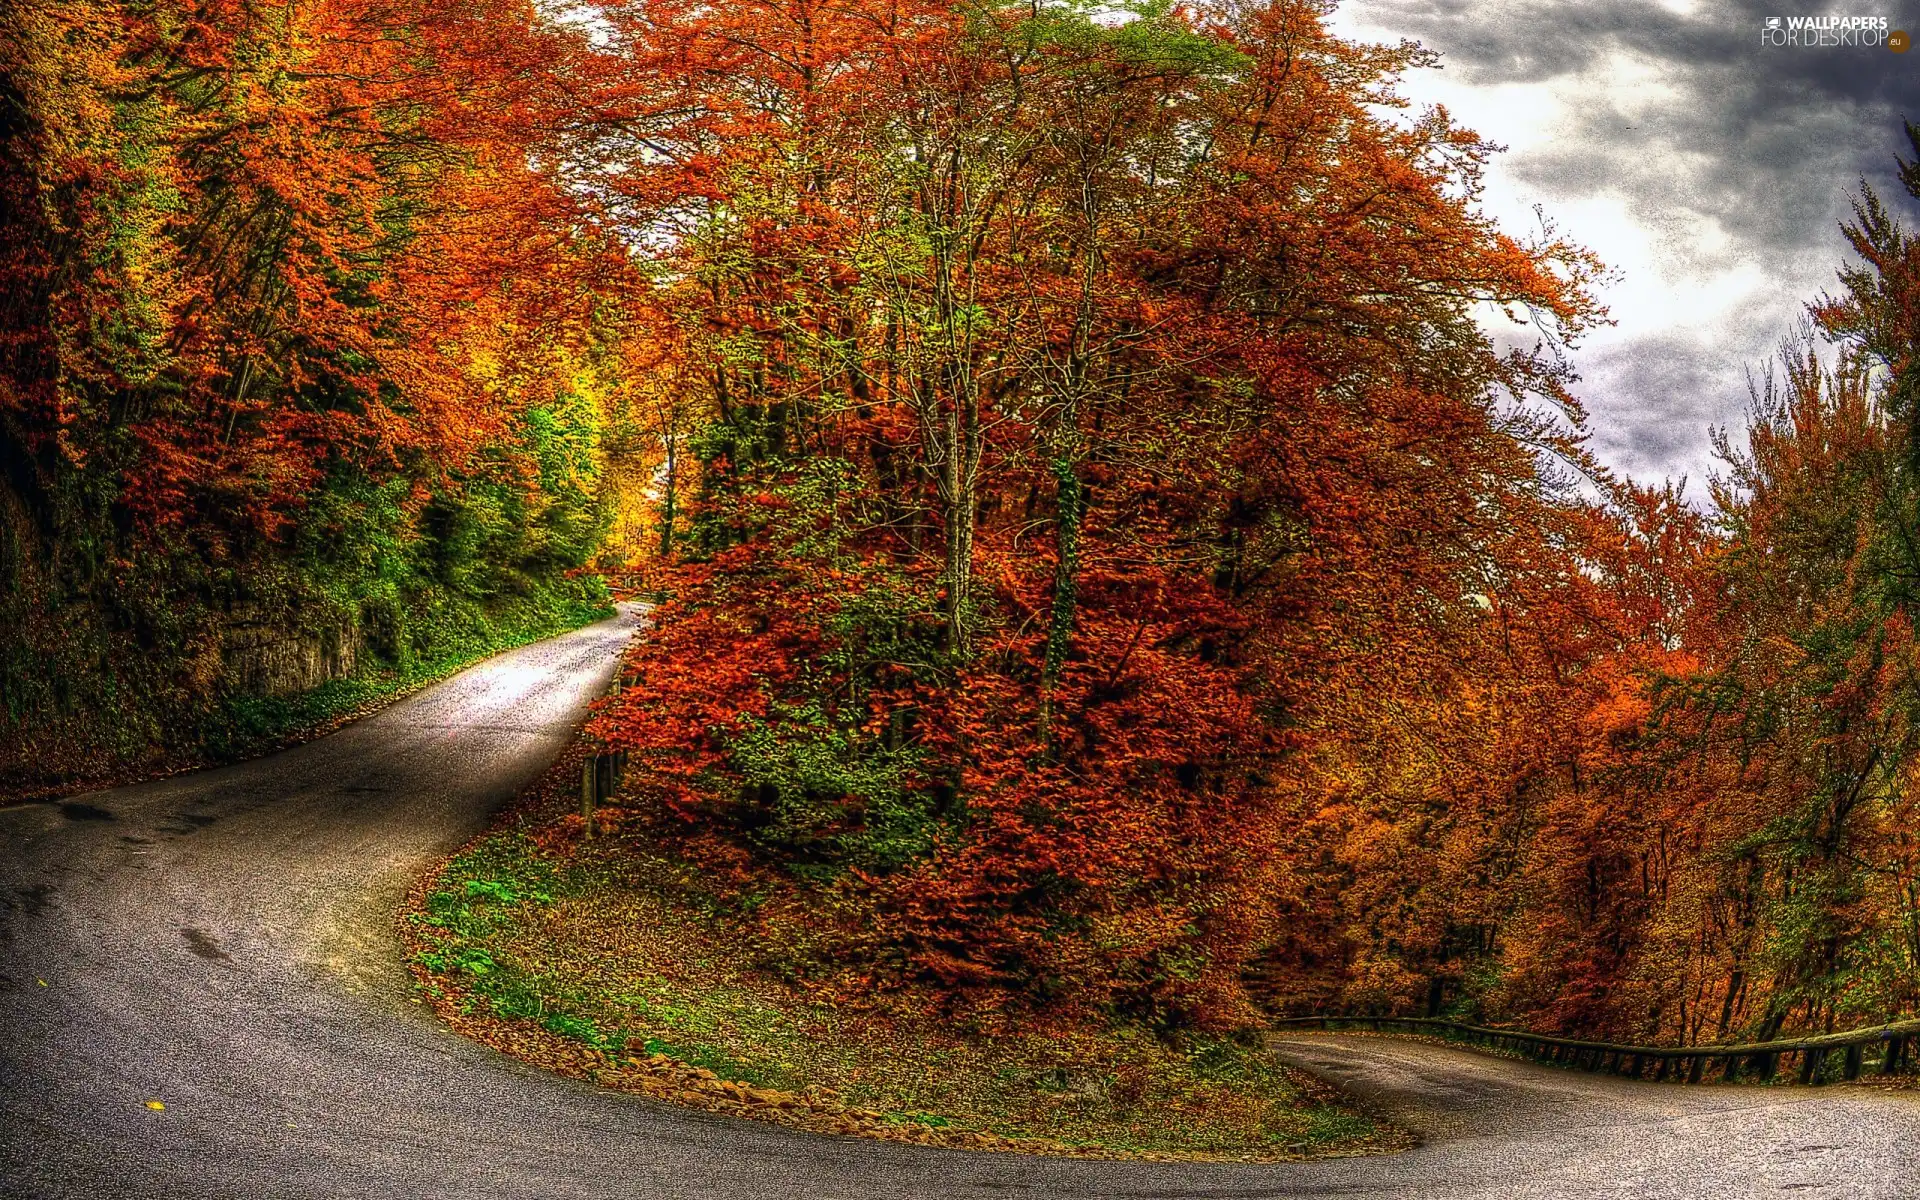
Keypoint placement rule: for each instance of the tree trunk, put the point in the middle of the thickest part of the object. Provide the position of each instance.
(1069, 511)
(957, 571)
(668, 502)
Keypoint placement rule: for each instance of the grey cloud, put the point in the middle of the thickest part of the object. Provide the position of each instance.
(1765, 142)
(1693, 399)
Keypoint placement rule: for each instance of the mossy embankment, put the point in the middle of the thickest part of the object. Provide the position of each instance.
(141, 736)
(244, 724)
(607, 959)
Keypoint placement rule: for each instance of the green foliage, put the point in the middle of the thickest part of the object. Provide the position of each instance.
(474, 961)
(424, 589)
(828, 797)
(1154, 41)
(423, 651)
(572, 520)
(820, 497)
(502, 893)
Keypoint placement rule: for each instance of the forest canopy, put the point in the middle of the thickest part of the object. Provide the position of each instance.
(301, 363)
(1108, 562)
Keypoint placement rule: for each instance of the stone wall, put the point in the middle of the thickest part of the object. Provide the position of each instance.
(269, 659)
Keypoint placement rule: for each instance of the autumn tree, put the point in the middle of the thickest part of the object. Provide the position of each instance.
(1728, 854)
(1074, 380)
(301, 315)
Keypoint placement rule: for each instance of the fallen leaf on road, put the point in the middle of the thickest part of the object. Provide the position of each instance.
(156, 1106)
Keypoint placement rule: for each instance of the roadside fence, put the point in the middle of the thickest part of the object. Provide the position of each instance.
(1881, 1050)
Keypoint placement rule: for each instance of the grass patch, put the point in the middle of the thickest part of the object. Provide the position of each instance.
(607, 959)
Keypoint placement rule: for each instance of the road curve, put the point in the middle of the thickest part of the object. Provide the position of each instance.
(221, 942)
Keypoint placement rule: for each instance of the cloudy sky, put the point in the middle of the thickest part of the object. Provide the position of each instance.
(1710, 171)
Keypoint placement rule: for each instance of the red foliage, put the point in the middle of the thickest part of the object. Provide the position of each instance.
(1080, 510)
(290, 235)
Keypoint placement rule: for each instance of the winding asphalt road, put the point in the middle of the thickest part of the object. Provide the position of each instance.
(221, 943)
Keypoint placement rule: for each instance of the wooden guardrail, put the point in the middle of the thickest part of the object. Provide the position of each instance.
(602, 770)
(600, 775)
(1813, 1059)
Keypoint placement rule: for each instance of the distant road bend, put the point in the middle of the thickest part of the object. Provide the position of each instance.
(221, 942)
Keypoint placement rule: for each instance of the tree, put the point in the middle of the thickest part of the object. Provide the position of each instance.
(300, 303)
(1069, 377)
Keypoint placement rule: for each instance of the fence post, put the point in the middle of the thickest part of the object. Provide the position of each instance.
(1890, 1061)
(1853, 1061)
(1810, 1061)
(588, 773)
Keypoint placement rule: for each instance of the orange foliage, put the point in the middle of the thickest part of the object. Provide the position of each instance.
(1106, 485)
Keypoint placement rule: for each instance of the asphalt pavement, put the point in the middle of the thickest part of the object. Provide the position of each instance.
(221, 944)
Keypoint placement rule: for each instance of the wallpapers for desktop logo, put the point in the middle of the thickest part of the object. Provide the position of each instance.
(1816, 32)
